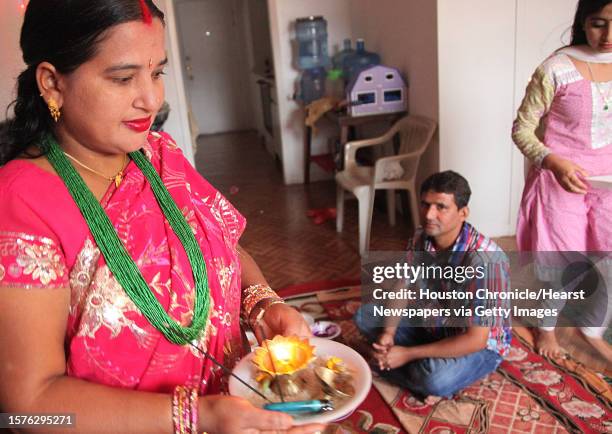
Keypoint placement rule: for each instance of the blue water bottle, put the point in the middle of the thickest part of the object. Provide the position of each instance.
(312, 84)
(358, 61)
(347, 50)
(311, 34)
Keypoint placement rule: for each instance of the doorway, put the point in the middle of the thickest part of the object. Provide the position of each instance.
(216, 64)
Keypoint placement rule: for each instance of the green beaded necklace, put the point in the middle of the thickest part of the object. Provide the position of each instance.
(118, 259)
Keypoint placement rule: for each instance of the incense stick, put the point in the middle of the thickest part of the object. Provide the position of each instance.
(227, 371)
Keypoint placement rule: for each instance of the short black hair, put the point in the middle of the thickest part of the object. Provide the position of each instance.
(449, 182)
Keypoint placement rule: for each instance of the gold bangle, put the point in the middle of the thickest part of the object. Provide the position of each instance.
(254, 294)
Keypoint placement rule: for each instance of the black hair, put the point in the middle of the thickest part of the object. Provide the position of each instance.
(583, 10)
(449, 182)
(65, 33)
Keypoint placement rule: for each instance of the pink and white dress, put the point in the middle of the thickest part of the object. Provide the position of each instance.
(563, 113)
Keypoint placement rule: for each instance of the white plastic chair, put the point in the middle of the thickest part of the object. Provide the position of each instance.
(415, 133)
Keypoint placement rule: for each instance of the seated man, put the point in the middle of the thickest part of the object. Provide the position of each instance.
(440, 360)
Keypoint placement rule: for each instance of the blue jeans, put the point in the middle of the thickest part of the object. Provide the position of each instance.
(429, 376)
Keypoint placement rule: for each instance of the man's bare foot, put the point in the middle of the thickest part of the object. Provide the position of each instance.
(601, 346)
(432, 399)
(546, 344)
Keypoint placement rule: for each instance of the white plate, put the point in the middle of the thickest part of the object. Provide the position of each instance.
(362, 380)
(604, 181)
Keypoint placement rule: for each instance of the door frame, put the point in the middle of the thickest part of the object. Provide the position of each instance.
(175, 84)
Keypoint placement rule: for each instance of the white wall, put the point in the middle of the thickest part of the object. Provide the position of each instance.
(404, 33)
(11, 17)
(487, 52)
(476, 76)
(283, 14)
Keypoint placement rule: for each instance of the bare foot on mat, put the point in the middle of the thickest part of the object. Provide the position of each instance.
(546, 344)
(432, 399)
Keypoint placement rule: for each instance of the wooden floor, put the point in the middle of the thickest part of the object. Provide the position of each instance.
(287, 245)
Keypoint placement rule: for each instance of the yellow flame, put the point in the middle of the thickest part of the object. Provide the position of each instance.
(283, 355)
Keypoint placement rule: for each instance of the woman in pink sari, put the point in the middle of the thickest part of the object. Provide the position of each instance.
(119, 264)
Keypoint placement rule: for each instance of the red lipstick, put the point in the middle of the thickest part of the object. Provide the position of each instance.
(138, 125)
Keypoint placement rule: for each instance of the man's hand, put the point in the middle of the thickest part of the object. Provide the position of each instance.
(386, 340)
(394, 357)
(384, 343)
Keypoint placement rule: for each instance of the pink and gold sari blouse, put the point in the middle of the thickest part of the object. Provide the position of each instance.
(45, 243)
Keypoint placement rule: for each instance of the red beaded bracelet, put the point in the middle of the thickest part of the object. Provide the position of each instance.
(253, 295)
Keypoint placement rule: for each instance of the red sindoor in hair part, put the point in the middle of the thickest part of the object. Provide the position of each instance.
(146, 13)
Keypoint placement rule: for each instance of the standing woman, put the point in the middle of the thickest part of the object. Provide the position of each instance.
(564, 127)
(119, 264)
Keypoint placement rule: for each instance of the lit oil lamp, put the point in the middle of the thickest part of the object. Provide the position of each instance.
(279, 360)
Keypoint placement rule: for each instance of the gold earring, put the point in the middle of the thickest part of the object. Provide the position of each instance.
(54, 109)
